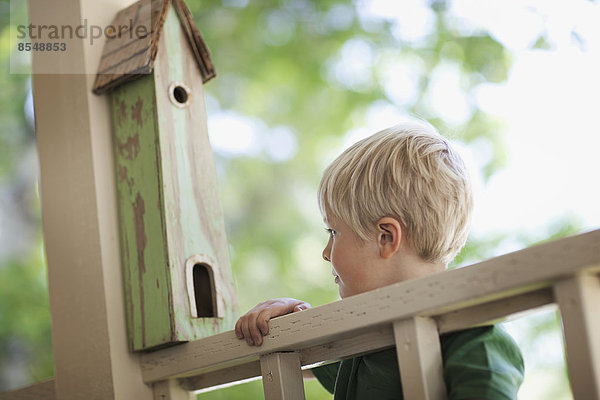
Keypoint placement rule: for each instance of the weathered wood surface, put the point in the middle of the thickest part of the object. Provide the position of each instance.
(141, 214)
(494, 311)
(197, 44)
(131, 50)
(130, 53)
(382, 338)
(196, 224)
(168, 201)
(504, 277)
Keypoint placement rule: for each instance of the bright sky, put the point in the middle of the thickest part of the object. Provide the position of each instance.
(550, 104)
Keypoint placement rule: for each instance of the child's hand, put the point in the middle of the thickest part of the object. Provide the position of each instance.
(255, 323)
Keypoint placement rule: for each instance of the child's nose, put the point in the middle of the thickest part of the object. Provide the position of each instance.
(326, 252)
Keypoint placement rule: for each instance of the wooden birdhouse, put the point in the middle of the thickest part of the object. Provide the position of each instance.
(177, 274)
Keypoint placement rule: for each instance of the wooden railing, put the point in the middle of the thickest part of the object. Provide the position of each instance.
(410, 315)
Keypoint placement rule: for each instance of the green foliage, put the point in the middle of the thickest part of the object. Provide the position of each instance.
(25, 338)
(568, 224)
(24, 317)
(275, 64)
(15, 134)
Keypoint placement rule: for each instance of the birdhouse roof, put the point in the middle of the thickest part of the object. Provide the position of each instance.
(132, 43)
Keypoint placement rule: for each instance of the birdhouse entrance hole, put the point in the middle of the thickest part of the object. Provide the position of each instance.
(179, 94)
(204, 288)
(201, 287)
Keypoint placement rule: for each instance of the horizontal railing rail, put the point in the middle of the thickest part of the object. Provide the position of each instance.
(457, 299)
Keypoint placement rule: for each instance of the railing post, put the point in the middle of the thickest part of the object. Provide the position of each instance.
(579, 298)
(170, 390)
(420, 358)
(79, 211)
(282, 376)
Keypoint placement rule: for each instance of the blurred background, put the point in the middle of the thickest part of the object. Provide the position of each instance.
(513, 83)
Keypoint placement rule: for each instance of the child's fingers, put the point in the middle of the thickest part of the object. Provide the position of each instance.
(253, 325)
(255, 333)
(238, 329)
(262, 322)
(246, 330)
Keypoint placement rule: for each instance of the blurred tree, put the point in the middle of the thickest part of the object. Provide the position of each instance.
(310, 72)
(296, 79)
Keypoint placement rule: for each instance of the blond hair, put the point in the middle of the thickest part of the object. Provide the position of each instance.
(408, 172)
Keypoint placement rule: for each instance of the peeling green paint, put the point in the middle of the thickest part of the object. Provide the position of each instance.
(141, 223)
(168, 201)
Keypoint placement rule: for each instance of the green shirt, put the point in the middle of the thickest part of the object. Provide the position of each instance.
(478, 363)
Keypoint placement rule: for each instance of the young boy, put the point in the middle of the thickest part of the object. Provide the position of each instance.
(397, 206)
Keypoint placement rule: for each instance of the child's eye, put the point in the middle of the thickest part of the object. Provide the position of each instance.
(330, 231)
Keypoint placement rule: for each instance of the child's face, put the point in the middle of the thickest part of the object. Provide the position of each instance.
(353, 261)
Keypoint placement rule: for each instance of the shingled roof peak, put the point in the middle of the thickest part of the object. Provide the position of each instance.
(131, 50)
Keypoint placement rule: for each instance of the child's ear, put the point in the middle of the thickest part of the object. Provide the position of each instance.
(389, 236)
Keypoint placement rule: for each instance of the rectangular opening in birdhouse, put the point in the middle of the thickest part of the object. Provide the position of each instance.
(204, 291)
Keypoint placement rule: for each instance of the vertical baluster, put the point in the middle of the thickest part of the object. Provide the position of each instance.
(420, 358)
(579, 301)
(170, 390)
(282, 376)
